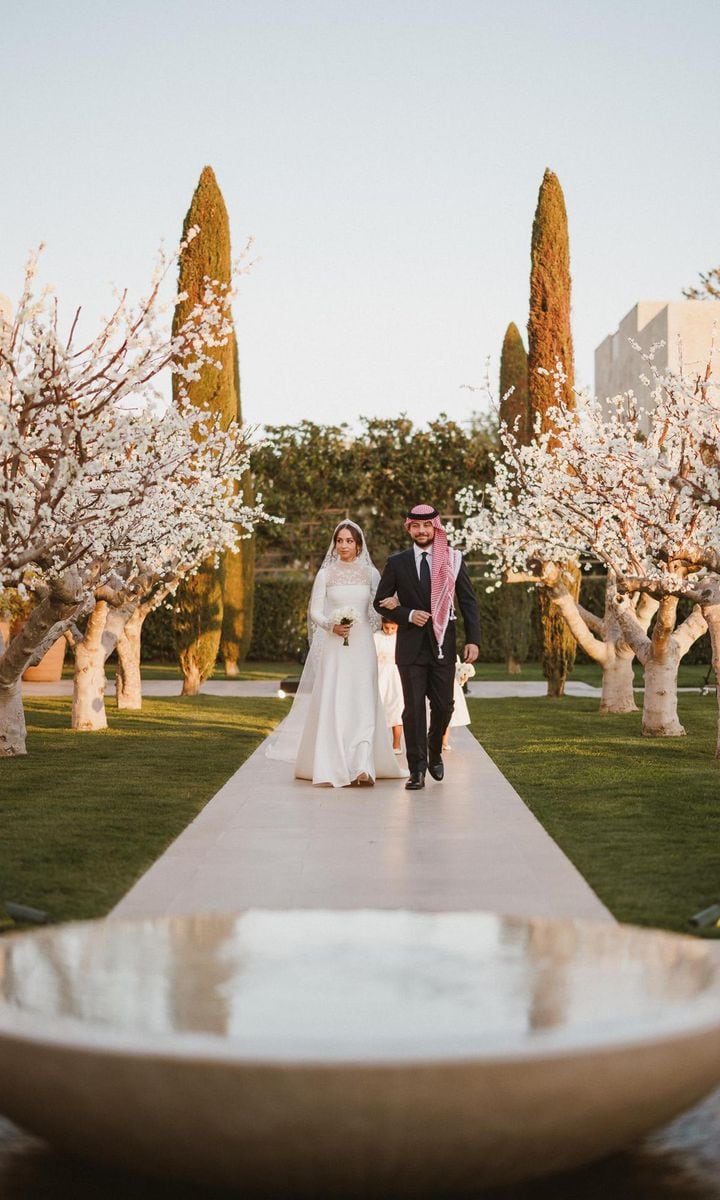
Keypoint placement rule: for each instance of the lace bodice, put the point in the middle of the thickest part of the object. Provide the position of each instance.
(341, 584)
(342, 574)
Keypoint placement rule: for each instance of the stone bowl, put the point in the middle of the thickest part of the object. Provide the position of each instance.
(353, 1054)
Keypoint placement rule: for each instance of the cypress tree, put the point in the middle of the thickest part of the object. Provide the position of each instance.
(549, 335)
(514, 374)
(238, 576)
(515, 610)
(198, 610)
(550, 342)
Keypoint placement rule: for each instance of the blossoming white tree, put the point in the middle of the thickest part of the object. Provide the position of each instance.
(602, 637)
(102, 496)
(694, 414)
(604, 491)
(191, 511)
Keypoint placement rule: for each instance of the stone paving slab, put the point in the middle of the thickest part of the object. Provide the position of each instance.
(501, 689)
(266, 840)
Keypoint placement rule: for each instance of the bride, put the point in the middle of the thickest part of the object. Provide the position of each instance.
(335, 732)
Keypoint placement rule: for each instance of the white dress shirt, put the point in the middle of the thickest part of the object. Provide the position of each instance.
(419, 551)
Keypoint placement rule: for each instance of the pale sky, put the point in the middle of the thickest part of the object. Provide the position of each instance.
(385, 155)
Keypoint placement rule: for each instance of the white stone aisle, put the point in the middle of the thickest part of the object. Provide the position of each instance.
(269, 841)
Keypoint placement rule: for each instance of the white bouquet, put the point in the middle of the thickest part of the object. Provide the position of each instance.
(464, 672)
(346, 617)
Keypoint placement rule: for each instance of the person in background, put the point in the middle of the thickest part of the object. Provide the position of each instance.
(461, 715)
(389, 683)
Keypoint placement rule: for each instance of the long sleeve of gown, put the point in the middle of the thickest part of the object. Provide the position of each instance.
(373, 617)
(317, 602)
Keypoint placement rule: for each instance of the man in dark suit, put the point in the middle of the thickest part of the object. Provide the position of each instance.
(426, 580)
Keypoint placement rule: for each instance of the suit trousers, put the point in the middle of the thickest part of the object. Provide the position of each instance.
(433, 679)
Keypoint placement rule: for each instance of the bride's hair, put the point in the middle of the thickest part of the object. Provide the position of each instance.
(353, 529)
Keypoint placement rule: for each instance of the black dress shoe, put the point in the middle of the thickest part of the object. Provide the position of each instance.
(437, 770)
(416, 781)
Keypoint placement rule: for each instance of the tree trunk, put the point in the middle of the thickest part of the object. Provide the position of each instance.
(555, 685)
(602, 640)
(618, 680)
(12, 720)
(667, 646)
(708, 594)
(192, 679)
(513, 666)
(231, 667)
(105, 627)
(711, 612)
(128, 680)
(661, 662)
(558, 642)
(88, 703)
(660, 715)
(554, 665)
(47, 622)
(197, 621)
(660, 655)
(12, 715)
(605, 639)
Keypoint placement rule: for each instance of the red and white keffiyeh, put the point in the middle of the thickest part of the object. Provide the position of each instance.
(445, 566)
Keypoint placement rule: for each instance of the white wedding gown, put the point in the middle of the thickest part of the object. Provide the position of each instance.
(344, 735)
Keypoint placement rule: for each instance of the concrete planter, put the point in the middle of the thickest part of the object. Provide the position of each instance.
(49, 669)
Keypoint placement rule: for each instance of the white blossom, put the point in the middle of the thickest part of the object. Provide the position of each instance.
(94, 477)
(596, 486)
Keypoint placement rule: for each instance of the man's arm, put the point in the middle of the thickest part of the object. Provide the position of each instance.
(388, 587)
(468, 606)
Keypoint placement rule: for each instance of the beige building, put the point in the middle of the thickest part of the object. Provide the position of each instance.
(685, 326)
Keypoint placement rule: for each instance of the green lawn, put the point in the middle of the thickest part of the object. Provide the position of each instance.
(639, 817)
(83, 815)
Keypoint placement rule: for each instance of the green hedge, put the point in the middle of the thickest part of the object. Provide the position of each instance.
(158, 644)
(280, 620)
(279, 627)
(491, 642)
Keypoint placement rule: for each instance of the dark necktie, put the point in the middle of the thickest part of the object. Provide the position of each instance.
(425, 584)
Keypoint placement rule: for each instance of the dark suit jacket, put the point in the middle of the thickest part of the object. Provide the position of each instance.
(400, 578)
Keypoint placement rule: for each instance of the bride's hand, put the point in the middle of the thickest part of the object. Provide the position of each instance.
(390, 602)
(342, 630)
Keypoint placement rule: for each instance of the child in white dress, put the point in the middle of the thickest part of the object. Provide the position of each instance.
(460, 715)
(389, 683)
